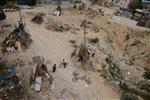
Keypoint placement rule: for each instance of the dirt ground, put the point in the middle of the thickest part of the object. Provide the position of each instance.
(54, 46)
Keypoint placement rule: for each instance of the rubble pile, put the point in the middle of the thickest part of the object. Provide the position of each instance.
(11, 87)
(40, 78)
(38, 19)
(89, 25)
(19, 40)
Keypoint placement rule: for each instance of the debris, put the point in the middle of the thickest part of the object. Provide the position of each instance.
(11, 87)
(89, 25)
(38, 19)
(38, 84)
(40, 76)
(19, 40)
(6, 70)
(2, 15)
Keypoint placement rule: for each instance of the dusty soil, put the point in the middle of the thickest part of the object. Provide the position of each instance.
(54, 46)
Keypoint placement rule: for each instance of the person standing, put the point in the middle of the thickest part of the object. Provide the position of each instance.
(64, 63)
(54, 68)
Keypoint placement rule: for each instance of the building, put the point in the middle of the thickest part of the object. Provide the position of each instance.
(121, 3)
(145, 2)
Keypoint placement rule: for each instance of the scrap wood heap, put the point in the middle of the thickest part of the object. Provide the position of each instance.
(19, 39)
(38, 19)
(40, 78)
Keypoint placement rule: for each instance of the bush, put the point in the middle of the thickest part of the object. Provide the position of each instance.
(124, 87)
(72, 41)
(3, 66)
(93, 40)
(146, 75)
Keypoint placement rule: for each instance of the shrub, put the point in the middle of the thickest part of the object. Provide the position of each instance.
(93, 40)
(146, 75)
(72, 41)
(124, 87)
(3, 66)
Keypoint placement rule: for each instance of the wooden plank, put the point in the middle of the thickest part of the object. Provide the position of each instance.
(38, 83)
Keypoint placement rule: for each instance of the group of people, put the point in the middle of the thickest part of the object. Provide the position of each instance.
(64, 63)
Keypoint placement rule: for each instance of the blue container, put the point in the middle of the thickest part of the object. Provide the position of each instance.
(22, 2)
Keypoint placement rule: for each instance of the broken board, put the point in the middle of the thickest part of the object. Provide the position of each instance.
(38, 84)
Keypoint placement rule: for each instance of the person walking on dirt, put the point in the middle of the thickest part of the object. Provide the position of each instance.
(54, 68)
(64, 63)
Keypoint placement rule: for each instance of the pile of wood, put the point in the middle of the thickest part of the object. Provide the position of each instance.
(40, 77)
(38, 19)
(19, 40)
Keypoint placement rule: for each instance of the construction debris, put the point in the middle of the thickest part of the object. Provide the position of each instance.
(19, 40)
(38, 19)
(11, 87)
(40, 77)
